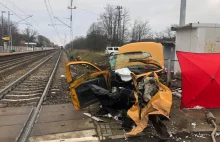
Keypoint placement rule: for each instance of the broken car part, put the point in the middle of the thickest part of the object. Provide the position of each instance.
(94, 117)
(127, 98)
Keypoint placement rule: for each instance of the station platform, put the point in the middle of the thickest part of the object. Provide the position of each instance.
(14, 53)
(8, 54)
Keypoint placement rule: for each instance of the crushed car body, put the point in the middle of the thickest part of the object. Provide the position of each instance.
(130, 90)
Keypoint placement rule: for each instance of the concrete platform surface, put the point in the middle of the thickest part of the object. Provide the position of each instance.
(77, 136)
(12, 120)
(13, 53)
(61, 121)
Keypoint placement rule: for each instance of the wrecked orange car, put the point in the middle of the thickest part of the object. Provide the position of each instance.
(130, 90)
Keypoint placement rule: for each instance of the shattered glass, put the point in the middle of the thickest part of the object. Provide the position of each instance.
(112, 61)
(124, 60)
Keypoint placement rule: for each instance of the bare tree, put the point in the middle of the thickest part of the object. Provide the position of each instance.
(140, 30)
(168, 33)
(125, 25)
(96, 38)
(158, 36)
(95, 28)
(108, 20)
(29, 35)
(43, 41)
(110, 23)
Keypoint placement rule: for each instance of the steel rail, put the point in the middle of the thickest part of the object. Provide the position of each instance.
(10, 86)
(30, 122)
(20, 61)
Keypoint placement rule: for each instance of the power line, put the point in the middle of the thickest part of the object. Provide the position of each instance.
(89, 6)
(51, 11)
(16, 6)
(31, 18)
(52, 20)
(28, 23)
(12, 11)
(88, 11)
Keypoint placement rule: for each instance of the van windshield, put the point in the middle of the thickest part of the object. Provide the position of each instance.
(125, 60)
(110, 48)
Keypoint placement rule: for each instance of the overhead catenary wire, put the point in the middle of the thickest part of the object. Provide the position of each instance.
(62, 39)
(52, 20)
(36, 23)
(12, 12)
(51, 10)
(71, 22)
(55, 24)
(87, 11)
(27, 22)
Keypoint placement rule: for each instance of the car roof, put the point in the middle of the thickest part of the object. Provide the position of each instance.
(155, 49)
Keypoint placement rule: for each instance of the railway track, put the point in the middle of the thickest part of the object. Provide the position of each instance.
(10, 65)
(59, 93)
(28, 89)
(31, 89)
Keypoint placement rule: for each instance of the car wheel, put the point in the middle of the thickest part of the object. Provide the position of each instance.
(111, 54)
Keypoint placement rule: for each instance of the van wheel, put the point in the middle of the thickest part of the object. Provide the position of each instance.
(111, 53)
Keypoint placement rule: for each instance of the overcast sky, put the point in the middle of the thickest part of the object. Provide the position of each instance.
(159, 13)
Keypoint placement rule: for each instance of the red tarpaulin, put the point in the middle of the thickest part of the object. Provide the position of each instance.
(200, 79)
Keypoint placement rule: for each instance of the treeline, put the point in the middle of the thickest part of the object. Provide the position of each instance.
(114, 30)
(26, 35)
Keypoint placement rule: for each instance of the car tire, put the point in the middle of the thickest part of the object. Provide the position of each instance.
(112, 53)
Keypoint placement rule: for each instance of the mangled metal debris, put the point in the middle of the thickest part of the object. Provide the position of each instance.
(130, 92)
(94, 117)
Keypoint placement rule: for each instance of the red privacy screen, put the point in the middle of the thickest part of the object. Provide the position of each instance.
(200, 79)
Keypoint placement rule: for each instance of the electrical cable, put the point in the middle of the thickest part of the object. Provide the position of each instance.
(52, 20)
(28, 23)
(31, 18)
(87, 11)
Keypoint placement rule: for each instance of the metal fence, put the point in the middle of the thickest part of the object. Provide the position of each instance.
(170, 65)
(23, 49)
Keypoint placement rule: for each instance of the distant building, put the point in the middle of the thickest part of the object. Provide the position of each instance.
(30, 44)
(197, 37)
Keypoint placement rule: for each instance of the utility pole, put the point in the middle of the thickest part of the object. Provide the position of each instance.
(109, 19)
(110, 31)
(9, 29)
(71, 21)
(119, 23)
(3, 30)
(10, 35)
(65, 40)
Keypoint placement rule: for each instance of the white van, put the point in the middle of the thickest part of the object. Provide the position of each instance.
(111, 50)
